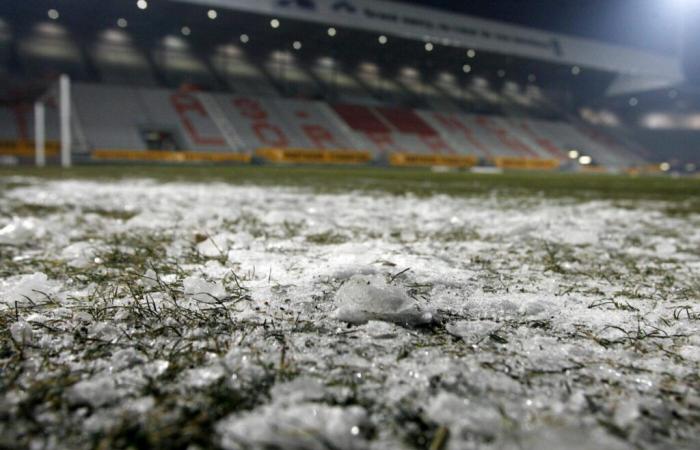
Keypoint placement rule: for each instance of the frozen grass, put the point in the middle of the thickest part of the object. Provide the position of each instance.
(186, 312)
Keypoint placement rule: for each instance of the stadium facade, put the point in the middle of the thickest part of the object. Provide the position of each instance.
(336, 81)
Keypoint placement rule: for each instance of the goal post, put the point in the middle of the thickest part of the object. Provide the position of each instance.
(65, 122)
(40, 133)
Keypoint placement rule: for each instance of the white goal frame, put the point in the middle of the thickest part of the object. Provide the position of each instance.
(64, 110)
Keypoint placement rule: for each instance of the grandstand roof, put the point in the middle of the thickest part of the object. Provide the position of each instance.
(445, 28)
(649, 24)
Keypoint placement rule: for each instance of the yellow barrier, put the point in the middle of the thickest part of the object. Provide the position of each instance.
(417, 159)
(25, 149)
(168, 156)
(509, 162)
(313, 156)
(594, 169)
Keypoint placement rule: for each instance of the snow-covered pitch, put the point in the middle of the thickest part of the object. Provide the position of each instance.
(198, 315)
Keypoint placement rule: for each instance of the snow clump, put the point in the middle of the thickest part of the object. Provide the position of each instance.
(20, 231)
(306, 426)
(201, 290)
(363, 298)
(22, 289)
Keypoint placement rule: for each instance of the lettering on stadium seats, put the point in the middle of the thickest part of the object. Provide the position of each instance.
(186, 104)
(266, 132)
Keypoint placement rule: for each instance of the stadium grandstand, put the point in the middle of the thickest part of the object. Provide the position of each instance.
(332, 81)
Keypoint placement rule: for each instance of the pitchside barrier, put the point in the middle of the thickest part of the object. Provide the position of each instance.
(168, 156)
(313, 156)
(508, 162)
(27, 148)
(422, 160)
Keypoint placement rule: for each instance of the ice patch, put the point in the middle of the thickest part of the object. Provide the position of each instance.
(21, 231)
(570, 438)
(79, 254)
(380, 330)
(96, 392)
(307, 426)
(201, 290)
(465, 415)
(201, 377)
(363, 298)
(299, 390)
(21, 332)
(27, 288)
(215, 246)
(472, 332)
(150, 279)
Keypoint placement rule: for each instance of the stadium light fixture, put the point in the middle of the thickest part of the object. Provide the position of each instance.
(585, 160)
(212, 14)
(383, 39)
(471, 53)
(665, 167)
(429, 46)
(114, 36)
(296, 45)
(186, 31)
(576, 70)
(274, 23)
(53, 14)
(573, 154)
(332, 32)
(326, 61)
(122, 23)
(466, 68)
(142, 4)
(244, 38)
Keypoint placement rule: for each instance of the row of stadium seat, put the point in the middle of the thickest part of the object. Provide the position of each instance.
(115, 57)
(118, 117)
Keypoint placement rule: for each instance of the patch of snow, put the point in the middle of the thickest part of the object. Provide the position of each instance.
(21, 231)
(472, 332)
(27, 289)
(201, 290)
(465, 415)
(301, 389)
(201, 377)
(215, 246)
(306, 426)
(21, 332)
(79, 254)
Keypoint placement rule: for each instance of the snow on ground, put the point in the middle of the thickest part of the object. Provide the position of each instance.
(191, 315)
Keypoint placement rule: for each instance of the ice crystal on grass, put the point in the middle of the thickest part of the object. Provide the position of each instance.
(203, 315)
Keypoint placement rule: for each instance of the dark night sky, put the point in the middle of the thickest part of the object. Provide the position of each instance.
(651, 24)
